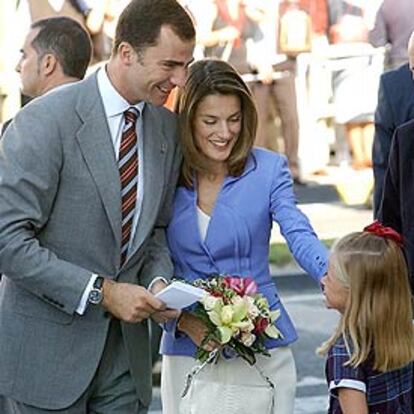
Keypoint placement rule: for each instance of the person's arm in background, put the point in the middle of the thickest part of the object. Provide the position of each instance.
(384, 130)
(378, 35)
(256, 10)
(205, 17)
(318, 11)
(94, 12)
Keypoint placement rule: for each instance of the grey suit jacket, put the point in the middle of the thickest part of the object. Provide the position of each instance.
(60, 220)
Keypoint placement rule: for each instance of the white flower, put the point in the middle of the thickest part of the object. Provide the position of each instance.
(227, 314)
(237, 300)
(244, 326)
(252, 309)
(271, 330)
(210, 302)
(247, 338)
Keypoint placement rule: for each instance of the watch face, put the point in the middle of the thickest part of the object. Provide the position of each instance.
(95, 296)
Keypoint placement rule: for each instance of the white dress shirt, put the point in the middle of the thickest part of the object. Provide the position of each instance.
(115, 106)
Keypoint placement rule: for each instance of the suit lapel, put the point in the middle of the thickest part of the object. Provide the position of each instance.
(155, 149)
(96, 146)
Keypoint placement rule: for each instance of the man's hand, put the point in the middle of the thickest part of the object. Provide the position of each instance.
(167, 314)
(129, 302)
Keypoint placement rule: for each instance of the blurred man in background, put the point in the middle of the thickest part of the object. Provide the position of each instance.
(395, 107)
(56, 51)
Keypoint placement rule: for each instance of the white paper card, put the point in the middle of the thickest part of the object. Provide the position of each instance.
(179, 295)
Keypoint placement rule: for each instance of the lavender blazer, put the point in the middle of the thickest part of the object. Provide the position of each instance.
(237, 240)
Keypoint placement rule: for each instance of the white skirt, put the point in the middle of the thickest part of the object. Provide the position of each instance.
(279, 368)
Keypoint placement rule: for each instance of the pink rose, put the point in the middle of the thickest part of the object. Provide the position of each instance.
(250, 286)
(242, 286)
(234, 283)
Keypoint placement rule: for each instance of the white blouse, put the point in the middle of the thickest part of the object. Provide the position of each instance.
(203, 220)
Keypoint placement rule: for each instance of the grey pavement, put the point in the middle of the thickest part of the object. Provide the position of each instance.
(336, 202)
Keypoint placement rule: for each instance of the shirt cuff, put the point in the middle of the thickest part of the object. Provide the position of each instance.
(155, 280)
(348, 383)
(83, 303)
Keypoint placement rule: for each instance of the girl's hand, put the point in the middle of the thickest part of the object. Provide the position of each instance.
(352, 401)
(195, 329)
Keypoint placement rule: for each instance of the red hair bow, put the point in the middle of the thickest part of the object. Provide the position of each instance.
(383, 231)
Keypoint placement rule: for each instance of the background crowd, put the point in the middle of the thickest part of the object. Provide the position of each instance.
(305, 61)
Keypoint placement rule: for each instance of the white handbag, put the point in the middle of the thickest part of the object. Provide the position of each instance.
(227, 387)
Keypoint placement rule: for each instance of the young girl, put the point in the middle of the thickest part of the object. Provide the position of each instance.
(368, 368)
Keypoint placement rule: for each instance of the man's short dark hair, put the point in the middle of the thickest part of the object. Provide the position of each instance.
(141, 21)
(67, 40)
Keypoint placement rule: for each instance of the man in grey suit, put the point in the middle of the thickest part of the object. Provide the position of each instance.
(78, 253)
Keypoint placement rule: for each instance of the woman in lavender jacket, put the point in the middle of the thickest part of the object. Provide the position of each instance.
(229, 197)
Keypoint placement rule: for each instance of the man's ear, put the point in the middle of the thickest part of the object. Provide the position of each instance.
(127, 53)
(49, 64)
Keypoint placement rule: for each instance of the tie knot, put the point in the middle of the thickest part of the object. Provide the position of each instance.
(131, 115)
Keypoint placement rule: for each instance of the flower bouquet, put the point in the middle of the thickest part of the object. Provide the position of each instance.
(236, 316)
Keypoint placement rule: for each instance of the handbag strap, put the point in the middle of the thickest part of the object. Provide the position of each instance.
(265, 377)
(195, 370)
(269, 382)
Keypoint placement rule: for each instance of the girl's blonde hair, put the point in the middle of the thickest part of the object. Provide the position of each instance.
(377, 321)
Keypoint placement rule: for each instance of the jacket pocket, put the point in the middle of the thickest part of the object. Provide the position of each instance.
(28, 304)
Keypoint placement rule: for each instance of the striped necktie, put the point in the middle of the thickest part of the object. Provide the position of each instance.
(128, 173)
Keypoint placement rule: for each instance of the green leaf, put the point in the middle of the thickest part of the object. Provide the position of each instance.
(246, 353)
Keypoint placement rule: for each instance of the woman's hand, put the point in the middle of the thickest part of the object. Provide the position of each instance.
(196, 329)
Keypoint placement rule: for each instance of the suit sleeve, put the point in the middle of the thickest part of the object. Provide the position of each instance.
(390, 208)
(31, 157)
(384, 129)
